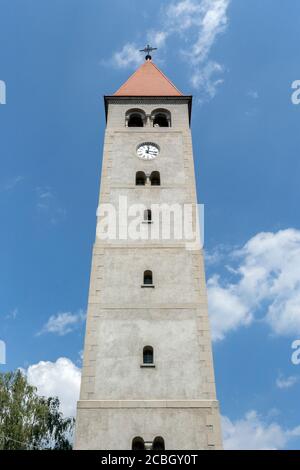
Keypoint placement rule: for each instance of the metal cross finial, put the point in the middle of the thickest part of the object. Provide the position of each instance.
(148, 49)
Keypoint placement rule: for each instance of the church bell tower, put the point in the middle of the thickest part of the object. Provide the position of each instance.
(147, 378)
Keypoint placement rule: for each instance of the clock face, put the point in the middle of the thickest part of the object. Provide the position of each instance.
(147, 151)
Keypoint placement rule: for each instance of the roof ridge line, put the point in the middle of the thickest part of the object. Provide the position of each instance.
(148, 79)
(161, 72)
(129, 78)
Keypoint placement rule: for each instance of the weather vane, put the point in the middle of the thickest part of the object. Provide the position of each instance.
(148, 49)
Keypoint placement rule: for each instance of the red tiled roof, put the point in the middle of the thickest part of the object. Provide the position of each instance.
(148, 80)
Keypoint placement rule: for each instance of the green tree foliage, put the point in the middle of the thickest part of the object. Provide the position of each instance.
(28, 421)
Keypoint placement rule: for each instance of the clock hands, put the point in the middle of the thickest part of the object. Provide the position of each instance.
(151, 152)
(147, 151)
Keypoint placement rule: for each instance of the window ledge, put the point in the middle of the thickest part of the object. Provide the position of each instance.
(147, 222)
(145, 366)
(148, 286)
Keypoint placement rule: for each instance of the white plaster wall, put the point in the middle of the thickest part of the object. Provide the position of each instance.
(172, 333)
(184, 429)
(117, 111)
(125, 163)
(123, 317)
(122, 270)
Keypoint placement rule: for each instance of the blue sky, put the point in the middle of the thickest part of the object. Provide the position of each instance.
(239, 60)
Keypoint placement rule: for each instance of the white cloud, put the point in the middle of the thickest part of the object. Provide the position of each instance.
(47, 204)
(12, 315)
(157, 38)
(63, 323)
(80, 354)
(227, 312)
(201, 23)
(253, 94)
(217, 254)
(254, 433)
(251, 113)
(284, 313)
(184, 14)
(60, 378)
(288, 382)
(204, 78)
(11, 183)
(197, 24)
(128, 56)
(209, 17)
(44, 197)
(266, 285)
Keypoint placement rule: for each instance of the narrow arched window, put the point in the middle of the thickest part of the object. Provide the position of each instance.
(148, 277)
(148, 216)
(158, 443)
(135, 118)
(161, 118)
(140, 178)
(155, 178)
(138, 443)
(148, 356)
